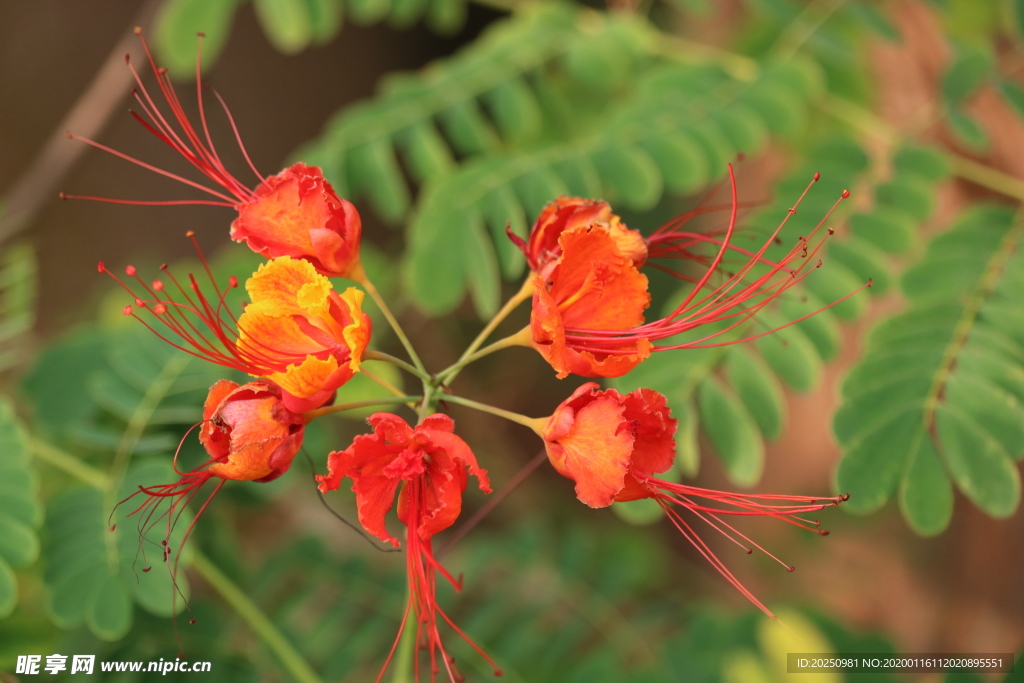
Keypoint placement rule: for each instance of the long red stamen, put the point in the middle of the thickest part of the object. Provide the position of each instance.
(197, 325)
(783, 507)
(734, 302)
(177, 131)
(421, 567)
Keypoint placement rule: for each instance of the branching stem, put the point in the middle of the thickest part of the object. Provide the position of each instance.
(327, 410)
(358, 275)
(534, 423)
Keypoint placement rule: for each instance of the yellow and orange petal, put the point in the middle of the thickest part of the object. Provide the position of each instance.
(310, 338)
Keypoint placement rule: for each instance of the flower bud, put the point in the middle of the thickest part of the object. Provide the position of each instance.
(248, 432)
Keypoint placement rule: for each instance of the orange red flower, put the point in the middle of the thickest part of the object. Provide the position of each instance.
(431, 464)
(297, 331)
(589, 295)
(612, 445)
(294, 213)
(297, 213)
(592, 285)
(248, 431)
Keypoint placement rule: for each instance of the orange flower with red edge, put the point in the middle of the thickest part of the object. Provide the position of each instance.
(294, 213)
(249, 432)
(296, 331)
(569, 213)
(431, 464)
(297, 213)
(612, 445)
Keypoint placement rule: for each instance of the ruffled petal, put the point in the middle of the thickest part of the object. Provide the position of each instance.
(297, 213)
(595, 285)
(312, 376)
(596, 450)
(654, 430)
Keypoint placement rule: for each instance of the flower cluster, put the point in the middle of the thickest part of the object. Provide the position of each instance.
(301, 341)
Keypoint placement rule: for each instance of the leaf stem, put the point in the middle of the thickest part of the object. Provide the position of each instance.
(327, 410)
(62, 460)
(358, 275)
(535, 423)
(386, 385)
(388, 358)
(746, 69)
(524, 293)
(405, 660)
(520, 338)
(426, 405)
(297, 667)
(990, 277)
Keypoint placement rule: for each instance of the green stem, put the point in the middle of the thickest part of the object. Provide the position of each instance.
(405, 656)
(520, 338)
(426, 405)
(524, 293)
(738, 66)
(535, 423)
(297, 667)
(62, 460)
(746, 69)
(359, 276)
(803, 27)
(388, 358)
(327, 410)
(386, 385)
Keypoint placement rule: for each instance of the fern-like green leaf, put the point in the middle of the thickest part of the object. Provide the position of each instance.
(100, 562)
(17, 303)
(612, 159)
(937, 397)
(20, 511)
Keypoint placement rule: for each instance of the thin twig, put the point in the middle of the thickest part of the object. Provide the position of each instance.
(87, 117)
(493, 502)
